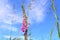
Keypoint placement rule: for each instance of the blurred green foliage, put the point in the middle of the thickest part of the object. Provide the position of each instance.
(56, 17)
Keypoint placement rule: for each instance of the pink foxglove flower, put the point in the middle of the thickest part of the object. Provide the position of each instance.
(23, 25)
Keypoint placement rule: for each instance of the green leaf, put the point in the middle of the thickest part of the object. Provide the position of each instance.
(51, 34)
(58, 27)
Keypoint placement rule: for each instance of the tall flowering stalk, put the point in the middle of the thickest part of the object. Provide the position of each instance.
(56, 17)
(24, 24)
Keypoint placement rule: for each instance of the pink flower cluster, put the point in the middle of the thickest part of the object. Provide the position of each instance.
(24, 26)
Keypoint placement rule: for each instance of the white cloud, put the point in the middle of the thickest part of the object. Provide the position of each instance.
(37, 13)
(9, 28)
(7, 15)
(21, 37)
(6, 36)
(11, 19)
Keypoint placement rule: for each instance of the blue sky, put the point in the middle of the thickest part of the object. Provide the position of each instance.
(41, 19)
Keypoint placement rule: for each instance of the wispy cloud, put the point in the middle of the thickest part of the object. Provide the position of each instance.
(36, 14)
(38, 11)
(21, 37)
(6, 36)
(8, 17)
(9, 28)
